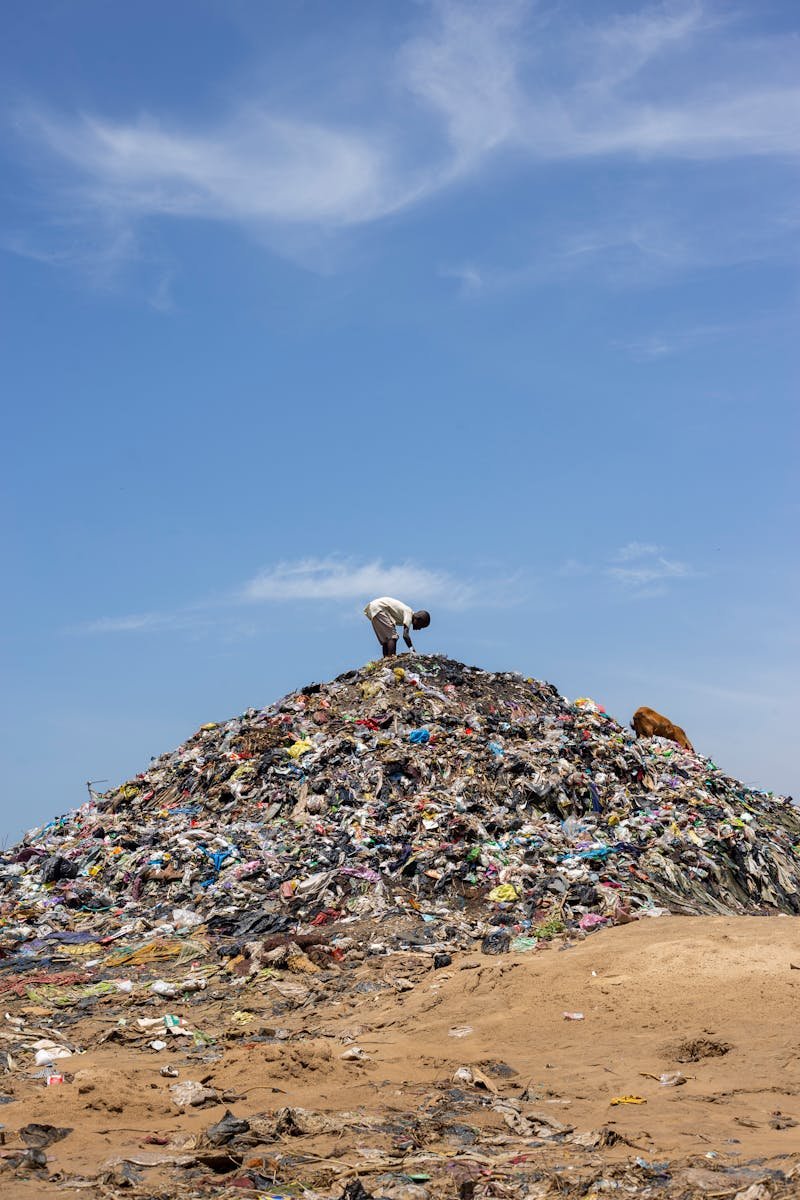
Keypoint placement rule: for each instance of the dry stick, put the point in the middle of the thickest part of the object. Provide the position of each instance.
(127, 1129)
(264, 1087)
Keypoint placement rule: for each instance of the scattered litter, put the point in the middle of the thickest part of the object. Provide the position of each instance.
(396, 813)
(35, 1134)
(474, 1077)
(225, 1130)
(190, 1093)
(354, 1054)
(50, 1053)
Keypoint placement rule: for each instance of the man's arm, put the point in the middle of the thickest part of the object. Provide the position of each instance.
(407, 637)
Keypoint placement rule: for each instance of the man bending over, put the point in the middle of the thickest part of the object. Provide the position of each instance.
(386, 614)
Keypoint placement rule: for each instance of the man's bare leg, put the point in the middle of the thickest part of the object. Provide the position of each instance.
(390, 648)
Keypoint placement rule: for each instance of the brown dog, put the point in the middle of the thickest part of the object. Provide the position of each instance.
(648, 723)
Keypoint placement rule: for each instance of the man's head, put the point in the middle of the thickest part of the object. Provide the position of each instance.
(421, 619)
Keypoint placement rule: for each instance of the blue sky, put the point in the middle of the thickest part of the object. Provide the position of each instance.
(490, 307)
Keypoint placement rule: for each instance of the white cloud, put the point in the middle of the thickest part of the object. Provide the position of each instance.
(572, 568)
(644, 574)
(622, 46)
(646, 570)
(100, 252)
(161, 298)
(323, 579)
(135, 623)
(260, 167)
(650, 240)
(254, 166)
(647, 348)
(469, 278)
(465, 69)
(635, 550)
(678, 340)
(640, 569)
(762, 123)
(476, 79)
(184, 620)
(315, 581)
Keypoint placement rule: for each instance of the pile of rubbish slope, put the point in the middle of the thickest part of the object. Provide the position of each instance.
(414, 803)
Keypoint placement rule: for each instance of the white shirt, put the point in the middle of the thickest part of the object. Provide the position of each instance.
(400, 613)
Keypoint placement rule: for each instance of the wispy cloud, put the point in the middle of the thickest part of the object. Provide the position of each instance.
(260, 167)
(635, 550)
(161, 298)
(678, 340)
(656, 570)
(465, 70)
(573, 568)
(475, 80)
(645, 570)
(254, 167)
(650, 240)
(315, 581)
(638, 570)
(183, 620)
(318, 579)
(469, 278)
(646, 349)
(100, 252)
(134, 623)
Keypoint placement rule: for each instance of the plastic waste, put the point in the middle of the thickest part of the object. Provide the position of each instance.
(316, 810)
(504, 893)
(51, 1054)
(161, 988)
(354, 1054)
(496, 942)
(226, 1129)
(190, 1093)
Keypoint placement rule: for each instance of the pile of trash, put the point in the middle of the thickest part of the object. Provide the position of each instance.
(413, 803)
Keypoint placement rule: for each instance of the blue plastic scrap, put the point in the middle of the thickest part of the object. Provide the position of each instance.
(216, 857)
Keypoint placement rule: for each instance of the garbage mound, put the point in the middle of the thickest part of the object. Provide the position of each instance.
(413, 803)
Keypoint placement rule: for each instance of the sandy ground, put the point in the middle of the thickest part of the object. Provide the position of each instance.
(715, 999)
